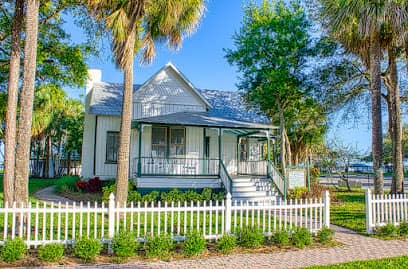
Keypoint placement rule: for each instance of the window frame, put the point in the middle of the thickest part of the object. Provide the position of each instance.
(167, 146)
(170, 144)
(117, 134)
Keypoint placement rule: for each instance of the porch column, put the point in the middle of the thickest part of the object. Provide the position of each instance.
(268, 155)
(238, 154)
(219, 149)
(204, 152)
(139, 163)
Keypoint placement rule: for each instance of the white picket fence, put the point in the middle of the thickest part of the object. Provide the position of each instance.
(50, 222)
(383, 209)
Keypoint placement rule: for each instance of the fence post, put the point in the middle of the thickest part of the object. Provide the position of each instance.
(111, 215)
(369, 212)
(326, 202)
(228, 213)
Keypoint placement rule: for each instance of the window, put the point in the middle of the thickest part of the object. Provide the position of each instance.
(243, 146)
(159, 142)
(177, 141)
(112, 145)
(168, 141)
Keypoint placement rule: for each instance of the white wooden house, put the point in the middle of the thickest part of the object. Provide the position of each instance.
(182, 137)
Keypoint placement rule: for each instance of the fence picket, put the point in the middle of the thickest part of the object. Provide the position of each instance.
(48, 222)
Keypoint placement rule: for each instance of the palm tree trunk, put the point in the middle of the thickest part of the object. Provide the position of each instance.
(375, 88)
(26, 103)
(122, 179)
(12, 97)
(396, 122)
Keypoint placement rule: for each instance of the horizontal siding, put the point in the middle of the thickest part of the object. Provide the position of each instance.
(166, 93)
(144, 110)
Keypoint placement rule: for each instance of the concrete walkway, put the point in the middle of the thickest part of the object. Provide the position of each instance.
(48, 195)
(355, 247)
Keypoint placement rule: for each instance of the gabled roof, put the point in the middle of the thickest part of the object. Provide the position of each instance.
(184, 78)
(106, 99)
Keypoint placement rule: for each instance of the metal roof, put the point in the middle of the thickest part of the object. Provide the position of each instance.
(106, 99)
(204, 119)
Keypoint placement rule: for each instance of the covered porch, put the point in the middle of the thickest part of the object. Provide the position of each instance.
(197, 146)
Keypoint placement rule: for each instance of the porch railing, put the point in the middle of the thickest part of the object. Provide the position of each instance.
(225, 177)
(256, 168)
(156, 166)
(278, 180)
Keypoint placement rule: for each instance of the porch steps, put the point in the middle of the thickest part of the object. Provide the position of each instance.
(252, 188)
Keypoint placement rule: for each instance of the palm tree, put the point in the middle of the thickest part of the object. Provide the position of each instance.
(355, 23)
(11, 112)
(49, 104)
(26, 103)
(391, 19)
(135, 25)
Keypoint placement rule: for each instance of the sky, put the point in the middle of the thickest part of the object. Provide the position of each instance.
(201, 59)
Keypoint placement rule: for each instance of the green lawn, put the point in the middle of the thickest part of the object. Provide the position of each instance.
(35, 184)
(348, 209)
(397, 262)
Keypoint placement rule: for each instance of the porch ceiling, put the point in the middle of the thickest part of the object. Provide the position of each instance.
(204, 119)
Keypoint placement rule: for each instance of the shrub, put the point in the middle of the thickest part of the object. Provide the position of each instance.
(218, 196)
(94, 185)
(206, 194)
(297, 193)
(250, 237)
(388, 230)
(124, 245)
(192, 196)
(173, 195)
(194, 244)
(80, 186)
(403, 229)
(87, 249)
(159, 246)
(150, 197)
(281, 238)
(301, 237)
(13, 250)
(106, 191)
(325, 235)
(226, 243)
(134, 196)
(66, 184)
(52, 252)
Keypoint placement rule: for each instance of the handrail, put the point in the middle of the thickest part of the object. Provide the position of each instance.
(225, 177)
(177, 166)
(278, 179)
(252, 167)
